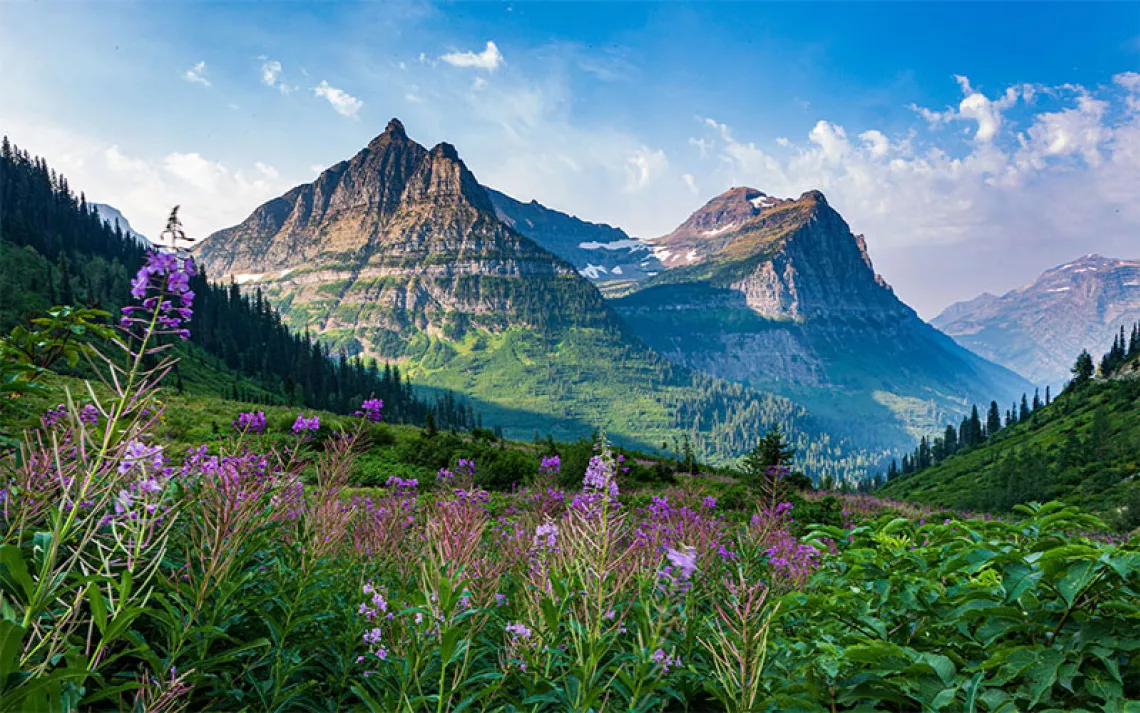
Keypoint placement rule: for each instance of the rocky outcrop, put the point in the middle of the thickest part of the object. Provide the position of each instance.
(1038, 329)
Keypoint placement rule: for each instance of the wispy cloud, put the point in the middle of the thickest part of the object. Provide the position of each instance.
(197, 75)
(271, 76)
(344, 103)
(489, 59)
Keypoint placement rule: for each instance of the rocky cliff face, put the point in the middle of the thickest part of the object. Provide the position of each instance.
(396, 241)
(1037, 330)
(780, 294)
(600, 252)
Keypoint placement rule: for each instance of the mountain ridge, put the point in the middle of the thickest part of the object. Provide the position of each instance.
(1035, 329)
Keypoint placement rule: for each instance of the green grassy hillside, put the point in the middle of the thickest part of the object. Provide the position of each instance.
(1084, 448)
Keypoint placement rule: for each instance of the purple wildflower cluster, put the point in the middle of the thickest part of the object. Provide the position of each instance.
(791, 561)
(250, 422)
(676, 577)
(89, 415)
(167, 274)
(370, 410)
(550, 467)
(400, 486)
(546, 537)
(53, 417)
(374, 609)
(306, 426)
(519, 632)
(463, 473)
(667, 662)
(667, 525)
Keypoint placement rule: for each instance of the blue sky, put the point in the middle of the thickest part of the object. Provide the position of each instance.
(974, 144)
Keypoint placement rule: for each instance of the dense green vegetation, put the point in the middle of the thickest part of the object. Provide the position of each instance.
(1083, 448)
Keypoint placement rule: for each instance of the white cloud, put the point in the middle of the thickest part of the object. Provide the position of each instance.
(344, 103)
(489, 59)
(690, 182)
(877, 143)
(197, 74)
(271, 76)
(644, 167)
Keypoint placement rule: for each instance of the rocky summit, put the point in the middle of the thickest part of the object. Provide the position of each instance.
(780, 294)
(1038, 329)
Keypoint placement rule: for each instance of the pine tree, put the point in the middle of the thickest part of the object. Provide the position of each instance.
(993, 420)
(975, 427)
(950, 440)
(1036, 399)
(1048, 398)
(1083, 369)
(1023, 413)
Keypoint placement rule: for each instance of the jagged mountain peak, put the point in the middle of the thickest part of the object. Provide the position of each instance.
(394, 133)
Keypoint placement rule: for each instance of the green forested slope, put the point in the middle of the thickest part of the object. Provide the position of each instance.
(1083, 448)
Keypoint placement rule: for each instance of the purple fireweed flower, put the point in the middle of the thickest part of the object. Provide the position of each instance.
(89, 415)
(709, 502)
(51, 418)
(519, 631)
(250, 422)
(123, 502)
(370, 410)
(600, 476)
(177, 271)
(551, 466)
(546, 536)
(683, 562)
(138, 453)
(306, 426)
(666, 661)
(401, 486)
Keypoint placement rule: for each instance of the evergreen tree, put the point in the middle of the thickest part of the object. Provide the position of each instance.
(1036, 399)
(993, 420)
(1083, 369)
(950, 440)
(1048, 398)
(1023, 413)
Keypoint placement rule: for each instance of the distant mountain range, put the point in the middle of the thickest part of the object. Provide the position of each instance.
(779, 294)
(400, 254)
(1038, 329)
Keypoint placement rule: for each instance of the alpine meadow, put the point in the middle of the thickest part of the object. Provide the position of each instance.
(660, 357)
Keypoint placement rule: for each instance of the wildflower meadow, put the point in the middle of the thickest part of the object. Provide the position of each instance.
(252, 574)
